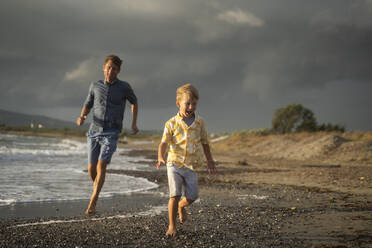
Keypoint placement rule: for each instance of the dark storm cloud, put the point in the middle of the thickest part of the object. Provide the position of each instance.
(246, 57)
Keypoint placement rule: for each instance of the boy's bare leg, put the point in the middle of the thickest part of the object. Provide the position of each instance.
(181, 209)
(98, 183)
(172, 213)
(92, 170)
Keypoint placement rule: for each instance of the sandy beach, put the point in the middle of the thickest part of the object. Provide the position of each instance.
(254, 201)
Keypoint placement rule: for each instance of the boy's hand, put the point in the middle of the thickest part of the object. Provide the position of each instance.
(211, 167)
(160, 163)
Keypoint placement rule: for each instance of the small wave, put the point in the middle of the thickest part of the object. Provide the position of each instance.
(139, 185)
(7, 202)
(74, 143)
(5, 151)
(14, 201)
(21, 146)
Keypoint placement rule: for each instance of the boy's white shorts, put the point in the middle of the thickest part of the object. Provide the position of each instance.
(178, 177)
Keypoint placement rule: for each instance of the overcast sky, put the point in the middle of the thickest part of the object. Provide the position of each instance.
(247, 58)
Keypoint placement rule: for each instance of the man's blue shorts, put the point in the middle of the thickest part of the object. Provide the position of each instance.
(101, 145)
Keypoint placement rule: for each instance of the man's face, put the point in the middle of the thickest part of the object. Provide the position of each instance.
(187, 106)
(111, 71)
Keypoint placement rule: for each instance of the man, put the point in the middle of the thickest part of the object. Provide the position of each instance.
(107, 98)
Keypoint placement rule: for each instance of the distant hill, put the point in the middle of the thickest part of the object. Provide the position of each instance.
(17, 119)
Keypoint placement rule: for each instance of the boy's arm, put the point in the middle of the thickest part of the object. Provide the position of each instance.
(83, 115)
(134, 109)
(211, 167)
(161, 154)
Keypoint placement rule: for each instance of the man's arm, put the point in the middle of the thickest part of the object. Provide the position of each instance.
(211, 167)
(83, 115)
(161, 154)
(134, 109)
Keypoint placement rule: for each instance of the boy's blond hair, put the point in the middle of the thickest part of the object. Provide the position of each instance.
(187, 89)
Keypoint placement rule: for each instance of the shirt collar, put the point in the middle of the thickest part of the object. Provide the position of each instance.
(113, 82)
(179, 117)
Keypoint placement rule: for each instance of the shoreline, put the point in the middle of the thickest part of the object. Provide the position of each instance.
(127, 203)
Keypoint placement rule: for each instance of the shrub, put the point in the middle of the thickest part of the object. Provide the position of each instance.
(293, 118)
(331, 127)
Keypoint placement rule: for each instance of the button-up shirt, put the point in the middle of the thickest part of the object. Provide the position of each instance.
(108, 103)
(185, 142)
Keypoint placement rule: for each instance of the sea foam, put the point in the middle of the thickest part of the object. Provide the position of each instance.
(49, 169)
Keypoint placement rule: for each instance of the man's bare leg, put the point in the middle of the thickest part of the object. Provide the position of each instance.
(97, 186)
(172, 213)
(181, 209)
(92, 170)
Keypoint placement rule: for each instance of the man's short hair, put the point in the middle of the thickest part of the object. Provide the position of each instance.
(115, 59)
(189, 90)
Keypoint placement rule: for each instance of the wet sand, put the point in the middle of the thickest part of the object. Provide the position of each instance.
(252, 202)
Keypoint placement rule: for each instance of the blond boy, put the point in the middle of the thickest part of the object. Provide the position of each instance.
(186, 136)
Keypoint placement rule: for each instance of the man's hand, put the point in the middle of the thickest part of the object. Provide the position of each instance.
(134, 129)
(80, 120)
(160, 163)
(211, 167)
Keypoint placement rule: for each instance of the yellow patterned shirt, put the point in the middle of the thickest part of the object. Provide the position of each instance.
(185, 142)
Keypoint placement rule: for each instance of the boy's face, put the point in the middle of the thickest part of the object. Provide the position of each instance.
(187, 106)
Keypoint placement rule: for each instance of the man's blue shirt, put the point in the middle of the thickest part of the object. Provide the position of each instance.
(107, 103)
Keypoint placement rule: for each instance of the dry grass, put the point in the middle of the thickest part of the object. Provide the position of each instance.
(357, 136)
(247, 139)
(239, 140)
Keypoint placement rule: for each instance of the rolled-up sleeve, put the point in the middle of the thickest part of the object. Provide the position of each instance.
(90, 98)
(167, 134)
(132, 98)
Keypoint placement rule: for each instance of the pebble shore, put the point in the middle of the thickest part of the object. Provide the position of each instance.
(227, 214)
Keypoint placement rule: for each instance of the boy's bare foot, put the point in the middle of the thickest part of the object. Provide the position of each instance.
(171, 232)
(183, 215)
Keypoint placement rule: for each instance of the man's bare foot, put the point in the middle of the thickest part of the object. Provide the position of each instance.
(90, 212)
(182, 214)
(171, 232)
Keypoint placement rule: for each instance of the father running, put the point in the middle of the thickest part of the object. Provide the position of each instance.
(107, 98)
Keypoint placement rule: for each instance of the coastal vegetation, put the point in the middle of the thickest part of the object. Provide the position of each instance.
(296, 118)
(72, 132)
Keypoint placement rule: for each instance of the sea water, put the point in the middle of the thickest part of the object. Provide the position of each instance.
(37, 169)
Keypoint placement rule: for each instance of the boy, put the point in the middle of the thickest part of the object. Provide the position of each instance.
(185, 134)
